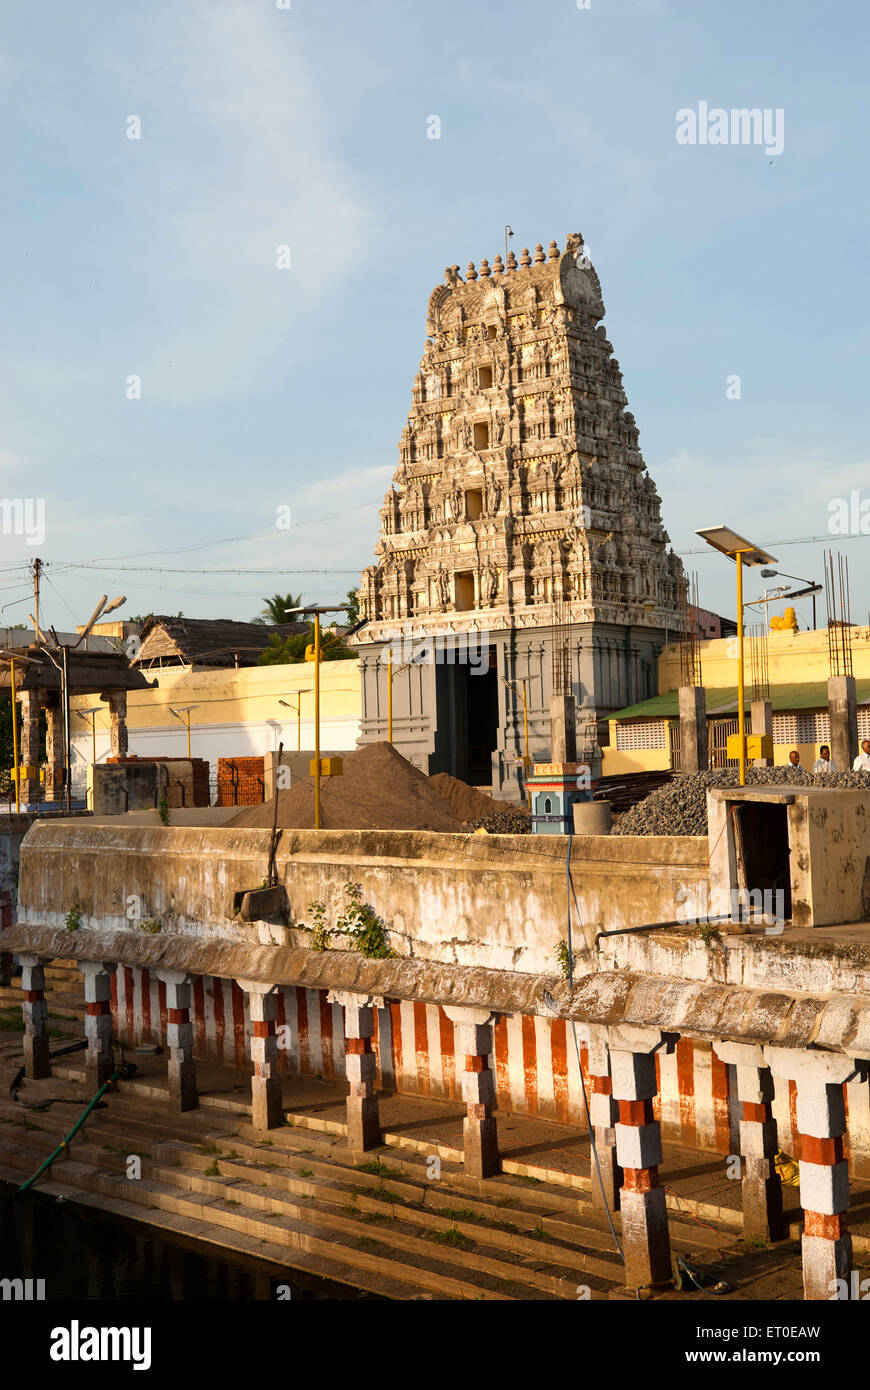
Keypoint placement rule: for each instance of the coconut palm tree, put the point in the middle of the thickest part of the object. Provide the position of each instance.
(279, 609)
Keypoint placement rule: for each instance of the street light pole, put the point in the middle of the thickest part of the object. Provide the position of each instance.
(15, 739)
(727, 542)
(740, 671)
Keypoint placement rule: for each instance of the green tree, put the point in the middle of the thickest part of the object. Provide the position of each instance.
(352, 608)
(279, 609)
(291, 649)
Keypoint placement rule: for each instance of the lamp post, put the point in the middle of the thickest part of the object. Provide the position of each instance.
(102, 609)
(743, 552)
(812, 588)
(288, 704)
(320, 608)
(185, 710)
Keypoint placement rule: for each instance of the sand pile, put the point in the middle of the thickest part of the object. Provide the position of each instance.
(466, 803)
(378, 790)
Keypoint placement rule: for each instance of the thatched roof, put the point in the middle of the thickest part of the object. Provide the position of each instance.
(168, 641)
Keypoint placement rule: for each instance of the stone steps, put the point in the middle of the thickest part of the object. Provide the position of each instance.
(349, 1251)
(341, 1203)
(14, 1161)
(147, 1104)
(500, 1238)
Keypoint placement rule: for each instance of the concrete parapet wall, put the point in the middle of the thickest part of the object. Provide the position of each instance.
(494, 901)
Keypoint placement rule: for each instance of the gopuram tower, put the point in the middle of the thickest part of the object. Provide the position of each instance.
(521, 536)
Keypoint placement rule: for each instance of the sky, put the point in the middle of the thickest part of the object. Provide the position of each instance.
(212, 329)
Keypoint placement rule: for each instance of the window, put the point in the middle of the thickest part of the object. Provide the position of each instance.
(491, 331)
(473, 504)
(484, 378)
(464, 590)
(481, 436)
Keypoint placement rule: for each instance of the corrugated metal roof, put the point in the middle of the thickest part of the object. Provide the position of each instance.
(723, 700)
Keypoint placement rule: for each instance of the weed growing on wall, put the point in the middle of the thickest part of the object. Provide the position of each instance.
(564, 959)
(359, 921)
(362, 924)
(320, 932)
(72, 921)
(163, 809)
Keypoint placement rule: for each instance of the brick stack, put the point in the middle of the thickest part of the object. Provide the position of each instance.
(240, 782)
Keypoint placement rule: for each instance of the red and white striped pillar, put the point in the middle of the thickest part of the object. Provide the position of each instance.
(363, 1116)
(761, 1187)
(98, 1019)
(826, 1246)
(267, 1102)
(479, 1128)
(603, 1115)
(179, 1038)
(34, 1011)
(645, 1239)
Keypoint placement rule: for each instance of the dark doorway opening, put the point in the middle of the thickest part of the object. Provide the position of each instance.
(467, 698)
(481, 701)
(763, 848)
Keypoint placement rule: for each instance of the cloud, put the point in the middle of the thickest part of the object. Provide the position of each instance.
(235, 161)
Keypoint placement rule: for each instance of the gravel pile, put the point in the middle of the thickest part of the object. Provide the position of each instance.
(680, 808)
(503, 823)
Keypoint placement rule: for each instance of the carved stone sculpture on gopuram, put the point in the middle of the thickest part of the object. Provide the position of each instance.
(520, 482)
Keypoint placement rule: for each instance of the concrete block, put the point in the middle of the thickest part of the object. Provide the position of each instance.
(634, 1075)
(758, 1140)
(821, 1109)
(638, 1146)
(645, 1239)
(824, 1262)
(824, 1189)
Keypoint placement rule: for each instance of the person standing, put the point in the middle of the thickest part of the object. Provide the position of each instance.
(862, 762)
(823, 761)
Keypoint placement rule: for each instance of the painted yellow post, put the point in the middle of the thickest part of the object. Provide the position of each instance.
(316, 721)
(389, 699)
(740, 688)
(15, 741)
(94, 739)
(188, 733)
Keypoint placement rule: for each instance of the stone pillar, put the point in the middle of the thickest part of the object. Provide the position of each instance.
(98, 1020)
(604, 1114)
(54, 750)
(563, 729)
(761, 1186)
(179, 1039)
(118, 722)
(267, 1101)
(479, 1129)
(28, 750)
(826, 1246)
(693, 728)
(761, 722)
(34, 1010)
(843, 712)
(363, 1118)
(645, 1240)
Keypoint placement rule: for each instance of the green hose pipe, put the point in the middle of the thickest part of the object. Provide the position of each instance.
(75, 1129)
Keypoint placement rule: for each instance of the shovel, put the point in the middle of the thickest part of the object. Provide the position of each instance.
(270, 899)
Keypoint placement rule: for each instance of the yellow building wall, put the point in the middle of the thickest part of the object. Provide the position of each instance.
(792, 658)
(237, 712)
